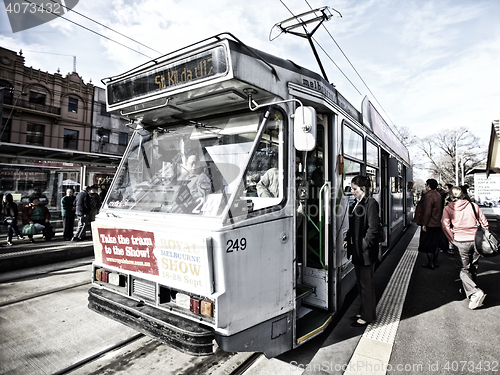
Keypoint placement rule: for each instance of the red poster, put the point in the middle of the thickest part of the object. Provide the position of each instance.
(128, 249)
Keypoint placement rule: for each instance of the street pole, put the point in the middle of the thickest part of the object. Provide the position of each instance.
(463, 177)
(456, 159)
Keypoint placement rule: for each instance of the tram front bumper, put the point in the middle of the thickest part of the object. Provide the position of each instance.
(180, 333)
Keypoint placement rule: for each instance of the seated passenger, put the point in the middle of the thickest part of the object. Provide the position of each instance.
(268, 186)
(195, 185)
(197, 181)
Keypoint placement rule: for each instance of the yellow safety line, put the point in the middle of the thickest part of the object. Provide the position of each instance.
(312, 333)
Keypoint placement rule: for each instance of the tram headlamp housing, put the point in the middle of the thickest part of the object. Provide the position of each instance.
(305, 128)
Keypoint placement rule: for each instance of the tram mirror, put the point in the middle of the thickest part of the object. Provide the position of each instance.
(305, 128)
(347, 190)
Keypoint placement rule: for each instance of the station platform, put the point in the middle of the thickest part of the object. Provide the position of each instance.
(25, 254)
(424, 324)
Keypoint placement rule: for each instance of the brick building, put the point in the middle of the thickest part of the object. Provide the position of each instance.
(48, 137)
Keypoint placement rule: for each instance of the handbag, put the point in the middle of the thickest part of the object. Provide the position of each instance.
(29, 230)
(485, 242)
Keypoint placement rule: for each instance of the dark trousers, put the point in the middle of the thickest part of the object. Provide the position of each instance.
(366, 288)
(68, 227)
(81, 231)
(11, 229)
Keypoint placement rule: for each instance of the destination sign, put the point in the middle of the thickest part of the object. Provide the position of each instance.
(201, 66)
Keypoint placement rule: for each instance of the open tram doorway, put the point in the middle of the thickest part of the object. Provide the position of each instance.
(312, 307)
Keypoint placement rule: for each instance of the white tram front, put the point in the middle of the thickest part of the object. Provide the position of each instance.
(226, 216)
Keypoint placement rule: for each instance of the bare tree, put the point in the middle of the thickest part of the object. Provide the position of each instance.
(444, 149)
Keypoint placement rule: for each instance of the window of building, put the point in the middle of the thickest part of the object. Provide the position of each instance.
(37, 98)
(104, 112)
(6, 130)
(7, 91)
(35, 134)
(104, 135)
(72, 105)
(122, 139)
(70, 139)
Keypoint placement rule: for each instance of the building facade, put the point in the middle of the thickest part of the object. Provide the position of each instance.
(48, 138)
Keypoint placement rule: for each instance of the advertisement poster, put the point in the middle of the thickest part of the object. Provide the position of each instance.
(487, 190)
(128, 249)
(177, 261)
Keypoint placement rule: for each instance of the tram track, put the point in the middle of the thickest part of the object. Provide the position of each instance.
(44, 293)
(128, 353)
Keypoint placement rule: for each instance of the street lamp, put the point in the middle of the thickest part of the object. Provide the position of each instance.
(12, 110)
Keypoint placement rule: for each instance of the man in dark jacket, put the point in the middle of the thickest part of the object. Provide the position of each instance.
(82, 205)
(68, 214)
(428, 215)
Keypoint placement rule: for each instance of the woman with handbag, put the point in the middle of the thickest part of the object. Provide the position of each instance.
(459, 223)
(9, 218)
(362, 241)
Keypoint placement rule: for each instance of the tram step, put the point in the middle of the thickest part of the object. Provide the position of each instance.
(311, 324)
(303, 291)
(175, 331)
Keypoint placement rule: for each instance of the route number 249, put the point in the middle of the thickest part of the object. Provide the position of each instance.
(236, 245)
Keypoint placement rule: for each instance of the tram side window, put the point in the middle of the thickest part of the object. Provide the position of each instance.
(353, 143)
(263, 180)
(351, 170)
(397, 182)
(372, 165)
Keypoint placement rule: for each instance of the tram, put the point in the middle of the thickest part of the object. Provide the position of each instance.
(225, 220)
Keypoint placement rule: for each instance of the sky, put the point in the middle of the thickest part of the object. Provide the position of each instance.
(429, 65)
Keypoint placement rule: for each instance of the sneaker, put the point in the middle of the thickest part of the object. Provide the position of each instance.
(32, 240)
(20, 237)
(476, 300)
(9, 243)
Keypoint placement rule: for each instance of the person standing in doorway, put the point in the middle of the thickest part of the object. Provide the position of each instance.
(68, 214)
(82, 210)
(428, 215)
(361, 242)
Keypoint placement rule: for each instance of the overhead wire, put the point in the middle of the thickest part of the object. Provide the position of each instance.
(356, 71)
(349, 61)
(109, 28)
(92, 31)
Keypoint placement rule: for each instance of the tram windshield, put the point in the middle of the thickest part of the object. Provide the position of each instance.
(199, 168)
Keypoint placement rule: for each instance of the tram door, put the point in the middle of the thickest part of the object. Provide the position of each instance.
(316, 225)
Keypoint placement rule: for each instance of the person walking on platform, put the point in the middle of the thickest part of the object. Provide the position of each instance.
(9, 218)
(82, 205)
(361, 242)
(68, 214)
(428, 215)
(459, 225)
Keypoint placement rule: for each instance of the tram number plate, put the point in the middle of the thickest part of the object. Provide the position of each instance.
(236, 245)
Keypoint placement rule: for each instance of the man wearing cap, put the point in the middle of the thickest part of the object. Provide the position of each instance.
(82, 205)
